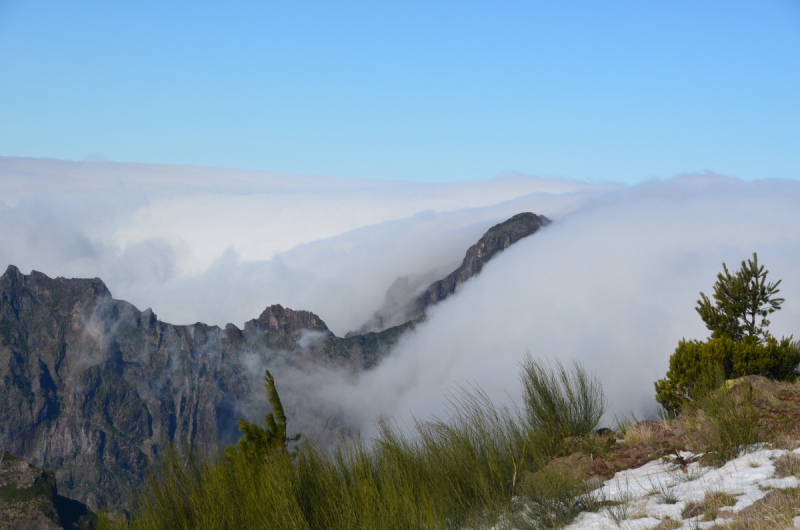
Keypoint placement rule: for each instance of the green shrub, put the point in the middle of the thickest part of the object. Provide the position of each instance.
(553, 497)
(462, 471)
(740, 343)
(694, 360)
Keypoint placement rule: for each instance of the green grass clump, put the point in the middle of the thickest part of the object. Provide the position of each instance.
(725, 420)
(560, 402)
(553, 497)
(471, 469)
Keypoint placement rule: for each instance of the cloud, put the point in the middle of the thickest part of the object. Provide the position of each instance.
(612, 283)
(218, 246)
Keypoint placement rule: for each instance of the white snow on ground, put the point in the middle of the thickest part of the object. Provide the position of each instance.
(642, 491)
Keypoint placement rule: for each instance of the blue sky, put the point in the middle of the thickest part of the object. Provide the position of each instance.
(445, 91)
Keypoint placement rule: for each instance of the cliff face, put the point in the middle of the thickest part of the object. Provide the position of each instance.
(93, 388)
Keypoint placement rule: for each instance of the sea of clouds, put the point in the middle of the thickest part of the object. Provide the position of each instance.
(611, 283)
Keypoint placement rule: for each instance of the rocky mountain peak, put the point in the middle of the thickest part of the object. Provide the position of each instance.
(277, 318)
(20, 290)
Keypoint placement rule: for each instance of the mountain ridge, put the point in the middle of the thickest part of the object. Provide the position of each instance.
(498, 238)
(94, 389)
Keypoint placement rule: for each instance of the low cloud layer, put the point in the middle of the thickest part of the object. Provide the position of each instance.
(218, 246)
(612, 283)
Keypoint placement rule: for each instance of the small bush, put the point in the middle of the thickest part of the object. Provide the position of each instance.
(623, 424)
(692, 361)
(787, 465)
(665, 494)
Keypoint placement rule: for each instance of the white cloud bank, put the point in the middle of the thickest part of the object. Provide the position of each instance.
(612, 283)
(218, 246)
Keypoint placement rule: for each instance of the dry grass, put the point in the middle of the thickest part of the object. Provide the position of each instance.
(642, 432)
(785, 441)
(787, 465)
(665, 494)
(668, 524)
(692, 509)
(725, 423)
(713, 501)
(774, 512)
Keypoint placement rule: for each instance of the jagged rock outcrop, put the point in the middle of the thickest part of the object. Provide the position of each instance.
(29, 500)
(496, 239)
(405, 303)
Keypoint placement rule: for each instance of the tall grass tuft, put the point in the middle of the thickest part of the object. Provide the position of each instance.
(464, 471)
(560, 402)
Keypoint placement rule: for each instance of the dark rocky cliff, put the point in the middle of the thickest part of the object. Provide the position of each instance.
(496, 239)
(402, 305)
(94, 389)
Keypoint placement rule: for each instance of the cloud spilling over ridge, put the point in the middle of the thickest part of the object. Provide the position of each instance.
(217, 246)
(613, 285)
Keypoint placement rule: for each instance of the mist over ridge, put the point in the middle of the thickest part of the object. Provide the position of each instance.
(217, 246)
(612, 282)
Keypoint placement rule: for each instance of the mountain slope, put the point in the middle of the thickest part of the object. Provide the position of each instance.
(94, 389)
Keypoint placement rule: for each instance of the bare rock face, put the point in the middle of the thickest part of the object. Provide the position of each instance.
(29, 500)
(95, 389)
(405, 303)
(496, 239)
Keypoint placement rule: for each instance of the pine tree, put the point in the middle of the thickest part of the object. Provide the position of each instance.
(739, 344)
(740, 299)
(259, 442)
